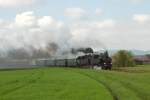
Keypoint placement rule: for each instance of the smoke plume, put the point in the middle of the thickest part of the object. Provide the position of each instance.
(30, 36)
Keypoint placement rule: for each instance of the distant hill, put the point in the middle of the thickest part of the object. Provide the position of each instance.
(135, 52)
(140, 52)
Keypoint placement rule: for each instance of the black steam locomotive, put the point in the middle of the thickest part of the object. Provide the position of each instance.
(86, 61)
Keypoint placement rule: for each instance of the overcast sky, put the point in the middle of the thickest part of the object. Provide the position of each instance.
(111, 24)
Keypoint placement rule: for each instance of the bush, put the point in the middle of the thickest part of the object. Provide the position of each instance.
(123, 58)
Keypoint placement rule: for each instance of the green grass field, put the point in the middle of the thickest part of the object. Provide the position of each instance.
(75, 84)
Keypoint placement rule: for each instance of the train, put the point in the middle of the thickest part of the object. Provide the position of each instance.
(90, 60)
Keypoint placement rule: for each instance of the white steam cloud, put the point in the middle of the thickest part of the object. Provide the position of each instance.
(28, 30)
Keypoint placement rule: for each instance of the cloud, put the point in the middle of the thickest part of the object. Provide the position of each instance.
(130, 36)
(99, 11)
(75, 12)
(141, 18)
(107, 23)
(14, 3)
(28, 30)
(26, 19)
(91, 33)
(109, 33)
(48, 21)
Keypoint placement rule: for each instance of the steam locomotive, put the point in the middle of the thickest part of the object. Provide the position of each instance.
(86, 61)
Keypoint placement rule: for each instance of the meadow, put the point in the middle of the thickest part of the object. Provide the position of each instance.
(75, 84)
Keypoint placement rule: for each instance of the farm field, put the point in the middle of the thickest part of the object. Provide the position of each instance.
(75, 84)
